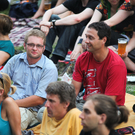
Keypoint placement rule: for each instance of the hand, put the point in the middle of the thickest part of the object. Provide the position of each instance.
(45, 29)
(123, 56)
(45, 23)
(45, 26)
(84, 45)
(76, 52)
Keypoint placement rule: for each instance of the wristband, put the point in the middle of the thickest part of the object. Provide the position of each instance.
(53, 23)
(80, 41)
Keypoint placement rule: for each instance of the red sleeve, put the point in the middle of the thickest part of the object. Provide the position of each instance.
(116, 83)
(78, 74)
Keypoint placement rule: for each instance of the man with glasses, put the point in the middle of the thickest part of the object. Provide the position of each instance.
(31, 72)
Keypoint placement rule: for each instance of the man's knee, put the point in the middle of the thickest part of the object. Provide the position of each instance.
(54, 17)
(26, 117)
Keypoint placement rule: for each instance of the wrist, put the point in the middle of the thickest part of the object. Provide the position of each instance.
(80, 41)
(53, 23)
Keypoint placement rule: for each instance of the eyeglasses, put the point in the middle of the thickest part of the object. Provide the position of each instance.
(32, 45)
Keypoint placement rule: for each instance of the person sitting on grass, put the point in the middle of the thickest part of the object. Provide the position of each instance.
(101, 115)
(67, 28)
(116, 14)
(60, 116)
(10, 118)
(6, 46)
(31, 72)
(99, 69)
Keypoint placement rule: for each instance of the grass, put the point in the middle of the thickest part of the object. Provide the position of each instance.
(6, 11)
(130, 88)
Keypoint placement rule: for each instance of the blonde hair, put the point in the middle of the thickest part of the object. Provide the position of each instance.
(5, 83)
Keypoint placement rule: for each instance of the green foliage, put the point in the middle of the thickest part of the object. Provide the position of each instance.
(6, 11)
(130, 88)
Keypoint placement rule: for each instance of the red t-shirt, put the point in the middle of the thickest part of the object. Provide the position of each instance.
(107, 77)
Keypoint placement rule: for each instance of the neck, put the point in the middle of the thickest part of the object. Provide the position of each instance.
(102, 130)
(1, 99)
(4, 37)
(32, 61)
(62, 116)
(114, 7)
(100, 55)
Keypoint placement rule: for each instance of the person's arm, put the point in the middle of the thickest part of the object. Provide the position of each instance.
(131, 44)
(116, 81)
(4, 56)
(96, 17)
(30, 101)
(13, 115)
(118, 17)
(77, 50)
(49, 75)
(77, 86)
(72, 19)
(56, 10)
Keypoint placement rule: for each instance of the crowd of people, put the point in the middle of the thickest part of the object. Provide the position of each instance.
(37, 103)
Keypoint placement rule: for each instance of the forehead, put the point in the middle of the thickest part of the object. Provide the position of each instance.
(35, 39)
(54, 97)
(89, 105)
(91, 31)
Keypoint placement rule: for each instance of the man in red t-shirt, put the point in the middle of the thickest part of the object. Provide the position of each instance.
(99, 68)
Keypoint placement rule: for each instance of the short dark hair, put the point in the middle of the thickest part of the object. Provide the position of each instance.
(105, 104)
(6, 24)
(65, 91)
(103, 30)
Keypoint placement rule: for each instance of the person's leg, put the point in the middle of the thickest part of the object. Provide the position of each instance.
(40, 11)
(50, 38)
(67, 38)
(27, 118)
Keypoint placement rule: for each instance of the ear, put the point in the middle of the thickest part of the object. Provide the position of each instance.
(66, 104)
(104, 40)
(44, 48)
(24, 45)
(1, 92)
(102, 118)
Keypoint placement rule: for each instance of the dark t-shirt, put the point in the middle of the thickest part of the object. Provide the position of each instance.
(134, 18)
(112, 132)
(76, 7)
(126, 26)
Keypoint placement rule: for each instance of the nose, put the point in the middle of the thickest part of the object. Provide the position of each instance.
(87, 40)
(35, 47)
(81, 115)
(46, 104)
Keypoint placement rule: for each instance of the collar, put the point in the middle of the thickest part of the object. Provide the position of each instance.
(40, 63)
